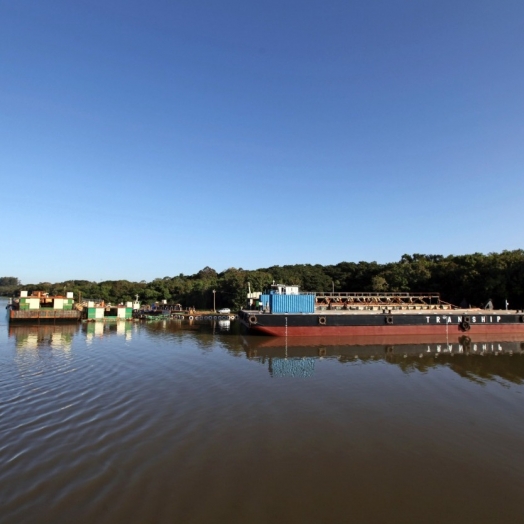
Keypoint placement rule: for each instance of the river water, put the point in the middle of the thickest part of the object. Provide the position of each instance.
(166, 422)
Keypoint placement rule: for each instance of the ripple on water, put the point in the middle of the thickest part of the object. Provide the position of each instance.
(173, 427)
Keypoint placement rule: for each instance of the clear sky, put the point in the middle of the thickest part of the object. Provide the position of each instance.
(143, 139)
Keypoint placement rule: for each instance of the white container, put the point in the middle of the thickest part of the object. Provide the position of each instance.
(34, 303)
(58, 303)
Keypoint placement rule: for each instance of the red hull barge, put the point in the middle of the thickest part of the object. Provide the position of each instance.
(355, 331)
(285, 312)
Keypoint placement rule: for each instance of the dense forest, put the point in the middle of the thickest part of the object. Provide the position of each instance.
(476, 278)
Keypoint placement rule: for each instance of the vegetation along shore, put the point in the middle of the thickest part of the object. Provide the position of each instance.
(474, 278)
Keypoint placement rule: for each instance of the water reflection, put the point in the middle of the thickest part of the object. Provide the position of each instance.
(291, 367)
(176, 422)
(207, 335)
(224, 325)
(94, 330)
(477, 359)
(31, 338)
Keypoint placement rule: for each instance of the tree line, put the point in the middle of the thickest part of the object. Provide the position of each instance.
(474, 278)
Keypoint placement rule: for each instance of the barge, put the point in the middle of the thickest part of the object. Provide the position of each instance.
(285, 311)
(95, 312)
(40, 307)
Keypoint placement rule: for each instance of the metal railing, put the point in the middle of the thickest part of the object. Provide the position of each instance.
(399, 300)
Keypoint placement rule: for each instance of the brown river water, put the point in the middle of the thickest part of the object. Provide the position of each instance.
(166, 422)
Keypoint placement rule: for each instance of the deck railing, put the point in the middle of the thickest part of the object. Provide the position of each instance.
(402, 299)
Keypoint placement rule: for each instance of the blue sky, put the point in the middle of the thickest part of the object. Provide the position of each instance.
(147, 139)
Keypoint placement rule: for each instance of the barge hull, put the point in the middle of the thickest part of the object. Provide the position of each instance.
(380, 331)
(377, 324)
(52, 316)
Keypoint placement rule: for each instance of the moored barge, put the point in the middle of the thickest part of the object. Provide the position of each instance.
(40, 307)
(285, 311)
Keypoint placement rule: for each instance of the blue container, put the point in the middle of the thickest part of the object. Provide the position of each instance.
(264, 301)
(292, 303)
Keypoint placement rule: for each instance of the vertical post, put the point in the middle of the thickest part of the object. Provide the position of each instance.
(214, 307)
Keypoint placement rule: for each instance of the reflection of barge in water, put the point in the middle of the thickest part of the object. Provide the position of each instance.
(377, 347)
(34, 337)
(42, 332)
(475, 358)
(284, 311)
